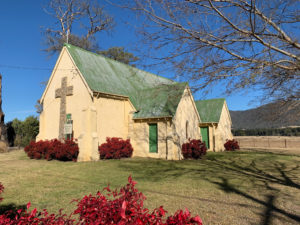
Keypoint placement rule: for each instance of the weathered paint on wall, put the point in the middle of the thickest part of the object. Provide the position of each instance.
(185, 123)
(81, 98)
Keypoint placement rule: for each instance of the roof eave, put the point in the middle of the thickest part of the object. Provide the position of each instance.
(52, 74)
(113, 96)
(80, 74)
(163, 118)
(202, 124)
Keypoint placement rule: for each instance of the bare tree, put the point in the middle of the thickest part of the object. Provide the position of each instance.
(243, 43)
(87, 16)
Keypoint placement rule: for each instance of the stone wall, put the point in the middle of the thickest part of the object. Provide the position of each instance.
(185, 123)
(223, 130)
(139, 137)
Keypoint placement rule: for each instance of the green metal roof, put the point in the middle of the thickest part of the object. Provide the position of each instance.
(151, 95)
(210, 110)
(160, 101)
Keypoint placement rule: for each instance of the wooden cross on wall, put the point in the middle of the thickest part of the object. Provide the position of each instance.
(62, 93)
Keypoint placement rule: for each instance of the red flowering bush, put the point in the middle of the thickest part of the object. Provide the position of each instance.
(1, 190)
(115, 148)
(231, 145)
(34, 217)
(194, 149)
(126, 207)
(54, 149)
(119, 207)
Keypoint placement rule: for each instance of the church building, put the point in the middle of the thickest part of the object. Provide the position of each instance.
(90, 97)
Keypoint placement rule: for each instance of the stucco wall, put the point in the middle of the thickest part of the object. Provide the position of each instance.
(186, 111)
(49, 118)
(223, 130)
(112, 118)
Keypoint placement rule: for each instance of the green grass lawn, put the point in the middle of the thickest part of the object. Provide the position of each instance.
(223, 188)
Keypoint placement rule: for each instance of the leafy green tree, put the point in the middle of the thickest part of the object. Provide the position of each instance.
(30, 129)
(25, 131)
(18, 129)
(119, 54)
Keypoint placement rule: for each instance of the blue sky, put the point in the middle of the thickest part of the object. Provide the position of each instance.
(24, 66)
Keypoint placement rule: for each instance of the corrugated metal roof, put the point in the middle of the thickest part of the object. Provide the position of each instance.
(210, 110)
(152, 95)
(161, 101)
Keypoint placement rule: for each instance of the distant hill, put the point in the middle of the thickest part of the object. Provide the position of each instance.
(273, 115)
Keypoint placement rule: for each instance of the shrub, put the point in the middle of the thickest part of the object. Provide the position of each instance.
(231, 145)
(194, 149)
(115, 148)
(54, 149)
(20, 133)
(1, 190)
(116, 207)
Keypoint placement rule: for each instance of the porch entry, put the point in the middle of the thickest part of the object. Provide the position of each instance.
(153, 137)
(205, 136)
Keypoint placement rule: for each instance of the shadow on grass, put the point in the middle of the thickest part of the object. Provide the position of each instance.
(258, 167)
(265, 172)
(11, 208)
(268, 204)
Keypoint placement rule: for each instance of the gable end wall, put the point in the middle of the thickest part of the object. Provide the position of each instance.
(223, 130)
(186, 111)
(81, 98)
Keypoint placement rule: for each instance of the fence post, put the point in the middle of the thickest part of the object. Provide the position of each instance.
(285, 145)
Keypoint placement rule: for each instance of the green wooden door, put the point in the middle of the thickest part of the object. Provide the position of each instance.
(152, 137)
(205, 136)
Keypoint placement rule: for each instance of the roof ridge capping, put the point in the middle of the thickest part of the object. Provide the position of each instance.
(211, 99)
(113, 60)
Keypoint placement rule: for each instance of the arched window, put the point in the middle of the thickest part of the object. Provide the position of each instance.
(186, 129)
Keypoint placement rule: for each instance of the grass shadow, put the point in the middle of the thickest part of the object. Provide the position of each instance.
(268, 204)
(269, 174)
(11, 208)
